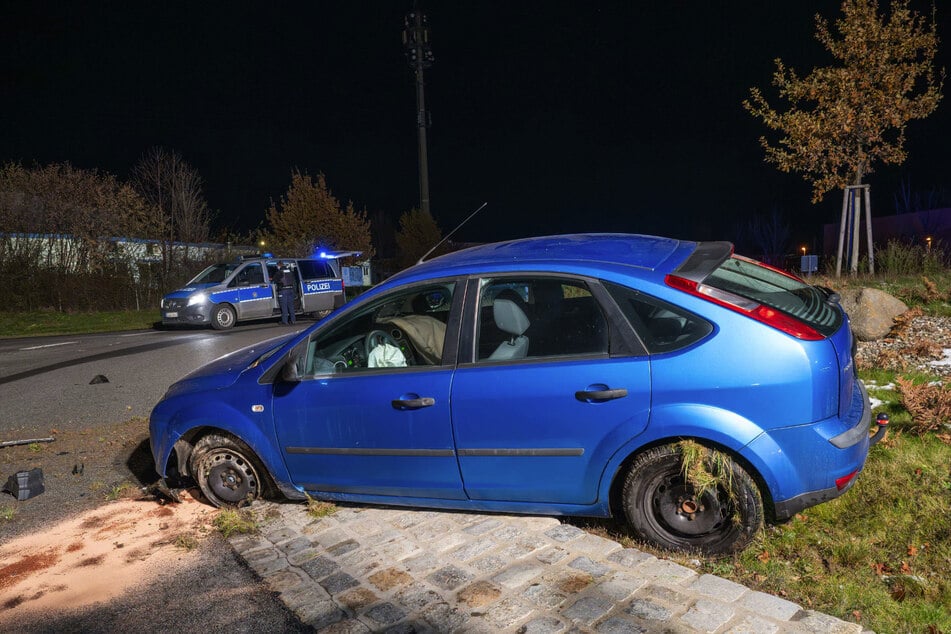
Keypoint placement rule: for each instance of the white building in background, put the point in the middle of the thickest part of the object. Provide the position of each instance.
(74, 254)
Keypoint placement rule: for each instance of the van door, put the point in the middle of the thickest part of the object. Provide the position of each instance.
(254, 292)
(319, 286)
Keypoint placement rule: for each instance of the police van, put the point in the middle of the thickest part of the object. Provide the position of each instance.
(226, 293)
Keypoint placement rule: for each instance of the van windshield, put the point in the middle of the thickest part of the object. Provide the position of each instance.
(214, 274)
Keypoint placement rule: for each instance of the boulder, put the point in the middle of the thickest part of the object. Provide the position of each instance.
(871, 311)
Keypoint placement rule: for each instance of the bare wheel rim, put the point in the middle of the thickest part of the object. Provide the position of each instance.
(676, 509)
(228, 477)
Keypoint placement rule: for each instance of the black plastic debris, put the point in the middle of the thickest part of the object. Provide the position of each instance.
(161, 492)
(99, 378)
(24, 485)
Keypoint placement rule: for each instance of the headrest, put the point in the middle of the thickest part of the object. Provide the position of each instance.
(509, 317)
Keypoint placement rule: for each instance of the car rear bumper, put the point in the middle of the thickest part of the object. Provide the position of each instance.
(859, 431)
(806, 465)
(787, 508)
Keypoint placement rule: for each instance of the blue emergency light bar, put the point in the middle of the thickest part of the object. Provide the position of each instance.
(333, 255)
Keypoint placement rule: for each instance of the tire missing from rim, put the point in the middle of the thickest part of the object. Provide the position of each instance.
(226, 471)
(666, 511)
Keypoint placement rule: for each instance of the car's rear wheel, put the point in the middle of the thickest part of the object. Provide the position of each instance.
(666, 510)
(222, 317)
(226, 470)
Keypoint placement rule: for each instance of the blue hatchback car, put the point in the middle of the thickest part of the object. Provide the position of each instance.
(693, 392)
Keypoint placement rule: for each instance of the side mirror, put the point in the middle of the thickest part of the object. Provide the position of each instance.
(289, 372)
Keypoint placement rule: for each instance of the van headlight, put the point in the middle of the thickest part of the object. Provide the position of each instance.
(197, 298)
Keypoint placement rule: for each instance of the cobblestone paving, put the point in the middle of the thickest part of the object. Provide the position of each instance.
(366, 569)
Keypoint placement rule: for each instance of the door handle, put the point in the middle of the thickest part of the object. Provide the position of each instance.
(601, 395)
(413, 403)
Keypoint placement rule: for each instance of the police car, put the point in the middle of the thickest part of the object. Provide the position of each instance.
(241, 290)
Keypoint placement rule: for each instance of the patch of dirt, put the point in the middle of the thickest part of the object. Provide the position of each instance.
(390, 578)
(68, 566)
(573, 583)
(479, 594)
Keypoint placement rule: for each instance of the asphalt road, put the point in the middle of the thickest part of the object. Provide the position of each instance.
(51, 381)
(49, 387)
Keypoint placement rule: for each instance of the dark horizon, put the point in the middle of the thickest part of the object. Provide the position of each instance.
(563, 117)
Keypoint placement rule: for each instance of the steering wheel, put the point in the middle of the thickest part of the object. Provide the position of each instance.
(377, 337)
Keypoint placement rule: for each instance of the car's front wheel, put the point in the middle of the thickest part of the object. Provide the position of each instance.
(222, 317)
(667, 510)
(226, 471)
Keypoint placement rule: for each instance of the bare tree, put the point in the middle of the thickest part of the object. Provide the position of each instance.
(64, 224)
(770, 234)
(174, 189)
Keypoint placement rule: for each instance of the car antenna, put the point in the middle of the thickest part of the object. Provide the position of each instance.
(448, 235)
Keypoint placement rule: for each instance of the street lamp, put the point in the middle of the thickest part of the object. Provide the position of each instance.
(420, 56)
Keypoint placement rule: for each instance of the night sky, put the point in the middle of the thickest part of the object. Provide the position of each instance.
(564, 116)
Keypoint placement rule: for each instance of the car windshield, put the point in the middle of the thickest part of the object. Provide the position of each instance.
(788, 294)
(214, 274)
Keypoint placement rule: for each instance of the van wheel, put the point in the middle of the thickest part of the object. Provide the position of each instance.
(666, 510)
(226, 471)
(222, 317)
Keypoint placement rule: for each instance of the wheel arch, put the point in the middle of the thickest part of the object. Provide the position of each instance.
(712, 427)
(275, 475)
(620, 473)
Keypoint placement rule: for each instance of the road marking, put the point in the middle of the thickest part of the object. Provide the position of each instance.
(50, 345)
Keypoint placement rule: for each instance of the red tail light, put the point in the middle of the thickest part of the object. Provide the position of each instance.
(841, 483)
(760, 312)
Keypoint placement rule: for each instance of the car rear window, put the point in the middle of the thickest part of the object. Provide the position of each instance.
(785, 293)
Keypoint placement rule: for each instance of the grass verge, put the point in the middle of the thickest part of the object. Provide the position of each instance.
(65, 323)
(234, 521)
(880, 555)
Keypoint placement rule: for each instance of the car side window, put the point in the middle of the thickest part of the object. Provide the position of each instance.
(404, 329)
(537, 317)
(662, 327)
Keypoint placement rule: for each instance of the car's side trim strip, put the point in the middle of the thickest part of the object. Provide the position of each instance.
(368, 451)
(438, 453)
(567, 451)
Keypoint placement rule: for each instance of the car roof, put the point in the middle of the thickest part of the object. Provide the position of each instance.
(630, 251)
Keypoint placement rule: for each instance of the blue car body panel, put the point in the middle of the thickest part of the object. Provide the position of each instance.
(523, 435)
(345, 435)
(515, 436)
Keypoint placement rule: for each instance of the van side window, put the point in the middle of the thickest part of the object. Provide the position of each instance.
(314, 269)
(250, 275)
